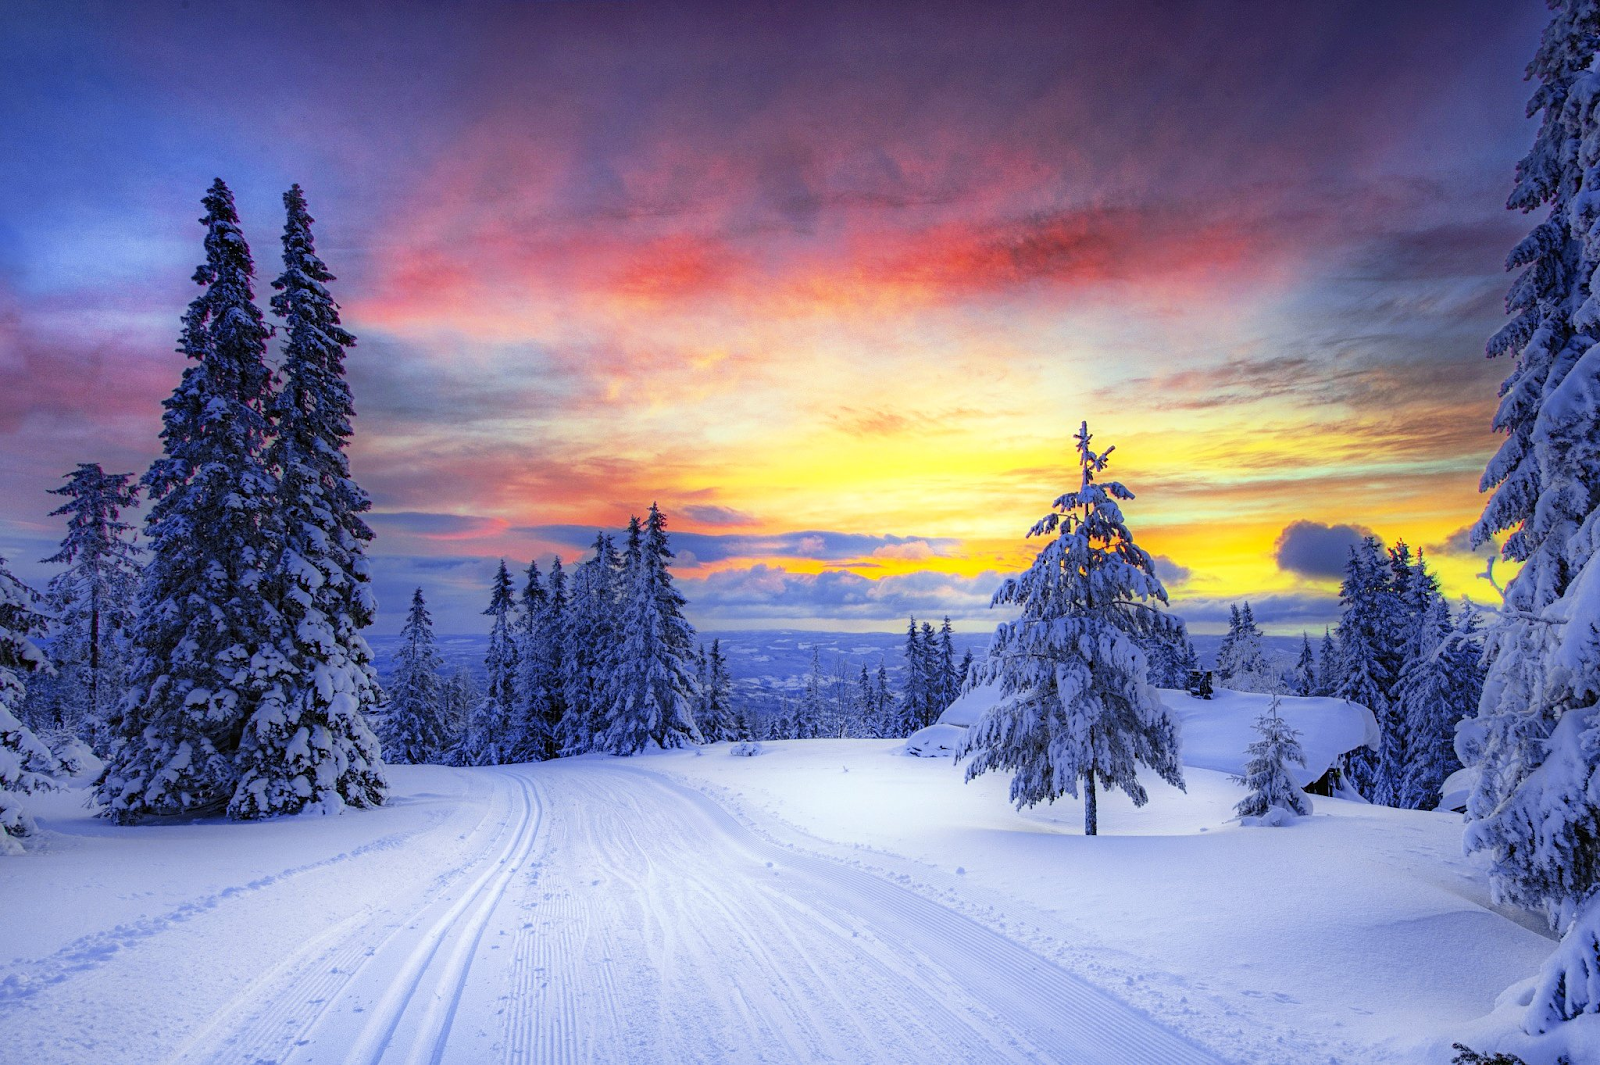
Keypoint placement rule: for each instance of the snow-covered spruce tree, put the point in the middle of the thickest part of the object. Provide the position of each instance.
(552, 646)
(1329, 675)
(589, 647)
(922, 700)
(1536, 736)
(414, 729)
(1303, 678)
(25, 762)
(203, 650)
(1274, 795)
(949, 681)
(719, 722)
(653, 686)
(1440, 685)
(461, 695)
(491, 732)
(1242, 662)
(1075, 706)
(808, 714)
(883, 699)
(1364, 677)
(1172, 656)
(536, 715)
(308, 745)
(92, 599)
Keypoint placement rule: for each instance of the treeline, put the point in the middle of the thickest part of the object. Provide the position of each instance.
(602, 661)
(1399, 650)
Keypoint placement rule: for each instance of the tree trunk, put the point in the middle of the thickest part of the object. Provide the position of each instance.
(1090, 820)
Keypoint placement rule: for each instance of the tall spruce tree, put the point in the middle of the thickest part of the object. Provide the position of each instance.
(537, 719)
(551, 648)
(949, 682)
(1242, 662)
(1076, 709)
(719, 723)
(204, 649)
(808, 714)
(92, 599)
(461, 695)
(653, 687)
(414, 727)
(308, 744)
(589, 647)
(491, 734)
(1536, 735)
(1303, 678)
(1440, 684)
(25, 762)
(1364, 677)
(914, 699)
(1329, 669)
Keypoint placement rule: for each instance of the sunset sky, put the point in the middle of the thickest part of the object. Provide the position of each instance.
(833, 284)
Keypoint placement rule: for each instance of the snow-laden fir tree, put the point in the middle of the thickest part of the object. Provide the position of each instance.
(718, 697)
(1440, 684)
(491, 733)
(589, 648)
(92, 601)
(25, 762)
(1076, 708)
(552, 646)
(808, 714)
(1364, 632)
(204, 648)
(414, 729)
(1303, 678)
(1329, 676)
(915, 701)
(1274, 795)
(538, 714)
(1535, 739)
(1242, 662)
(949, 681)
(461, 695)
(308, 744)
(653, 687)
(1172, 656)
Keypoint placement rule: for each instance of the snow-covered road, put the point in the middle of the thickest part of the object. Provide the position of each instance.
(573, 911)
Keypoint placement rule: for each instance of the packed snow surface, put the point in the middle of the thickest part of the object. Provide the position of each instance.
(830, 900)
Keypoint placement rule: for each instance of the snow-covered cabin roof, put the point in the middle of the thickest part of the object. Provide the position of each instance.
(1215, 731)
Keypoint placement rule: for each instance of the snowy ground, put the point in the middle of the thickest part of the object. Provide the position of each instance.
(827, 900)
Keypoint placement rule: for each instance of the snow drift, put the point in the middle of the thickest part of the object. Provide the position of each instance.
(1216, 731)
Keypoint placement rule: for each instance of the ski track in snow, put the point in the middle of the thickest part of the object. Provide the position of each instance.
(605, 914)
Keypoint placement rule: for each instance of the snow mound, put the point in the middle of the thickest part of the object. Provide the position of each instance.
(969, 706)
(939, 740)
(1216, 731)
(1453, 793)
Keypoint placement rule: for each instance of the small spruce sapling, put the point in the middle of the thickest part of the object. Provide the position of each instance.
(1274, 796)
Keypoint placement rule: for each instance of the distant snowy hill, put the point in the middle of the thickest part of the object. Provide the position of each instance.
(770, 664)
